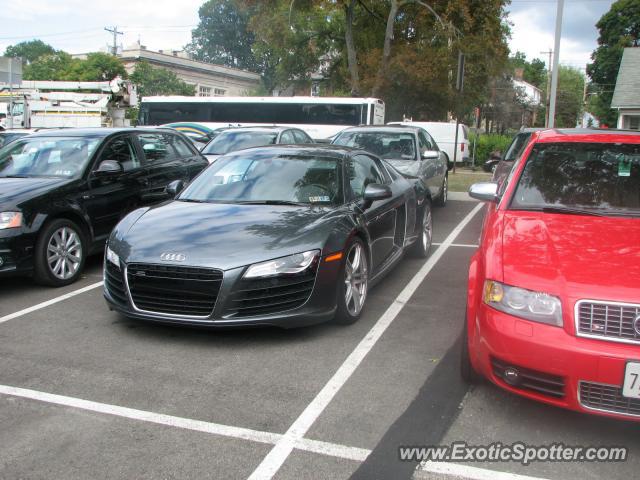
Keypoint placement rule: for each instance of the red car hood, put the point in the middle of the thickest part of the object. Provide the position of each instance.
(573, 256)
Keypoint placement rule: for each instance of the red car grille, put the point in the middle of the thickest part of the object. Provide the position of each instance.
(611, 321)
(607, 398)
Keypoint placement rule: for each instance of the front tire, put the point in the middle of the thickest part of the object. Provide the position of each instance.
(422, 245)
(353, 283)
(441, 201)
(467, 372)
(60, 253)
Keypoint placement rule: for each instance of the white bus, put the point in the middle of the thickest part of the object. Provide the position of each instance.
(320, 117)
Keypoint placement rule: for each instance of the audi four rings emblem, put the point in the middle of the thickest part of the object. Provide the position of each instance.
(636, 325)
(172, 257)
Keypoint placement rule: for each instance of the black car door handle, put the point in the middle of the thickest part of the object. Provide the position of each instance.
(87, 197)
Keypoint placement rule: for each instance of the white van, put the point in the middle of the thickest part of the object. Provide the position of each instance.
(445, 135)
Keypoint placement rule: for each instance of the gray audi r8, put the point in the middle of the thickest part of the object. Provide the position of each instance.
(281, 235)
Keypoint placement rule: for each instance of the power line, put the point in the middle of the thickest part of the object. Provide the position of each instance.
(115, 32)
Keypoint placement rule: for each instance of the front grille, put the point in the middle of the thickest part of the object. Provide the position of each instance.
(608, 398)
(114, 282)
(263, 296)
(174, 290)
(532, 380)
(611, 321)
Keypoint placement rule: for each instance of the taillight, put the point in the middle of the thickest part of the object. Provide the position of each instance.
(462, 147)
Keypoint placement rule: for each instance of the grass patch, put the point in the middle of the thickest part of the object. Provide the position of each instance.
(461, 181)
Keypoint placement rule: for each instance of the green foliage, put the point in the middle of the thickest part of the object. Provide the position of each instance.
(52, 66)
(61, 66)
(29, 51)
(158, 81)
(535, 71)
(619, 28)
(98, 67)
(486, 144)
(569, 98)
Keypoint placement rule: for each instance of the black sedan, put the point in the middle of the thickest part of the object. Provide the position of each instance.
(280, 235)
(62, 191)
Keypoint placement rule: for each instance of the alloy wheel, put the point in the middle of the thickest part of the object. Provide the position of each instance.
(355, 279)
(427, 229)
(64, 253)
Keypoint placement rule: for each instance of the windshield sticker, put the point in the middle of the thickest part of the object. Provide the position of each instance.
(322, 198)
(624, 167)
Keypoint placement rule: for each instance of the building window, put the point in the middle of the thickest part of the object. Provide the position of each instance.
(633, 122)
(204, 91)
(219, 92)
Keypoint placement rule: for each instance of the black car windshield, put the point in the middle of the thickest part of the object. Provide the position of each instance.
(65, 157)
(231, 141)
(596, 178)
(268, 178)
(8, 137)
(387, 145)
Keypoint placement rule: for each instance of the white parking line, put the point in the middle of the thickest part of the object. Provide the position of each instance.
(463, 245)
(314, 446)
(53, 301)
(467, 472)
(283, 448)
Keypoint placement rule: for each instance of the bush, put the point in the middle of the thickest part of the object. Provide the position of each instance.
(489, 143)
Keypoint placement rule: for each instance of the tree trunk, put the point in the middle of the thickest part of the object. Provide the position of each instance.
(352, 60)
(386, 51)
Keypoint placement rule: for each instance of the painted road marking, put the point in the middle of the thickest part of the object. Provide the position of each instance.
(48, 303)
(463, 245)
(283, 448)
(467, 472)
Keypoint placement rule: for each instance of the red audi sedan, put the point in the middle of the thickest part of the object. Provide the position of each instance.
(553, 308)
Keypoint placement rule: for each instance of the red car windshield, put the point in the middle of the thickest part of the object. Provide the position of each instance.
(597, 178)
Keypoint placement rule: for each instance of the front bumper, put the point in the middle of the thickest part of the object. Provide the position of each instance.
(16, 251)
(577, 373)
(319, 307)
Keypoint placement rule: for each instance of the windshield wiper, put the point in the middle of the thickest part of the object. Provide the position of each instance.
(14, 176)
(272, 202)
(190, 200)
(572, 211)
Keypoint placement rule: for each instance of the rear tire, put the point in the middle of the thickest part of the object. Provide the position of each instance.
(60, 253)
(467, 372)
(441, 201)
(353, 283)
(422, 245)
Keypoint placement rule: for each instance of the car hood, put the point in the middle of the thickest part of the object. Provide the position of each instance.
(225, 236)
(572, 255)
(410, 168)
(14, 191)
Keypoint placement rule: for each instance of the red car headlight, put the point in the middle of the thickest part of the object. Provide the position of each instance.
(528, 304)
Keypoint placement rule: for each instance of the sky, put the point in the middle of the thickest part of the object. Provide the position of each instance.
(77, 26)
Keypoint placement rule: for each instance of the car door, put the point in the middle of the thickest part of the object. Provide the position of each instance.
(432, 169)
(380, 217)
(109, 197)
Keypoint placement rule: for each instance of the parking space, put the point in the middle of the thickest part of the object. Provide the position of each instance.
(85, 392)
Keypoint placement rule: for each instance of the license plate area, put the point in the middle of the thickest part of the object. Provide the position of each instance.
(631, 385)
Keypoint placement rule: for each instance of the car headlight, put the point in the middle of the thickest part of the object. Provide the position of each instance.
(113, 257)
(10, 220)
(284, 265)
(536, 306)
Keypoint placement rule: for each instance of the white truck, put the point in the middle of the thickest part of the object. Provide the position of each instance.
(52, 104)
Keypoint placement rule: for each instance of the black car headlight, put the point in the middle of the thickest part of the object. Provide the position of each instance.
(519, 302)
(113, 257)
(291, 264)
(10, 220)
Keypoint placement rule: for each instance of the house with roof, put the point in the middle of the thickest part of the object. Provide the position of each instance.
(626, 96)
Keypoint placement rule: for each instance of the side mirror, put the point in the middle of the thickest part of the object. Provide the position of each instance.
(430, 154)
(109, 167)
(174, 188)
(375, 191)
(484, 191)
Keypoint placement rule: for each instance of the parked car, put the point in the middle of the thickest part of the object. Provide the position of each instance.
(199, 133)
(553, 308)
(444, 133)
(62, 191)
(8, 136)
(411, 150)
(239, 138)
(280, 235)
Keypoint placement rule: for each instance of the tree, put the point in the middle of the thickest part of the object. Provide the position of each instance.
(29, 51)
(98, 67)
(61, 66)
(53, 66)
(569, 98)
(158, 81)
(534, 72)
(619, 28)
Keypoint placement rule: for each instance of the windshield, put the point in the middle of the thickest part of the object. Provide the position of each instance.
(7, 138)
(231, 141)
(269, 179)
(517, 145)
(65, 157)
(595, 177)
(387, 145)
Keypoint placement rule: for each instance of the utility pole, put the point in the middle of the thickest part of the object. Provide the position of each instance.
(115, 32)
(556, 65)
(549, 68)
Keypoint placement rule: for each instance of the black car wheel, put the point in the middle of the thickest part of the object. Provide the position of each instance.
(422, 245)
(441, 201)
(467, 371)
(60, 253)
(353, 283)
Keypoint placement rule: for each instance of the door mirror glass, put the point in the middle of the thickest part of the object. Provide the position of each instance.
(485, 191)
(109, 167)
(430, 154)
(174, 188)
